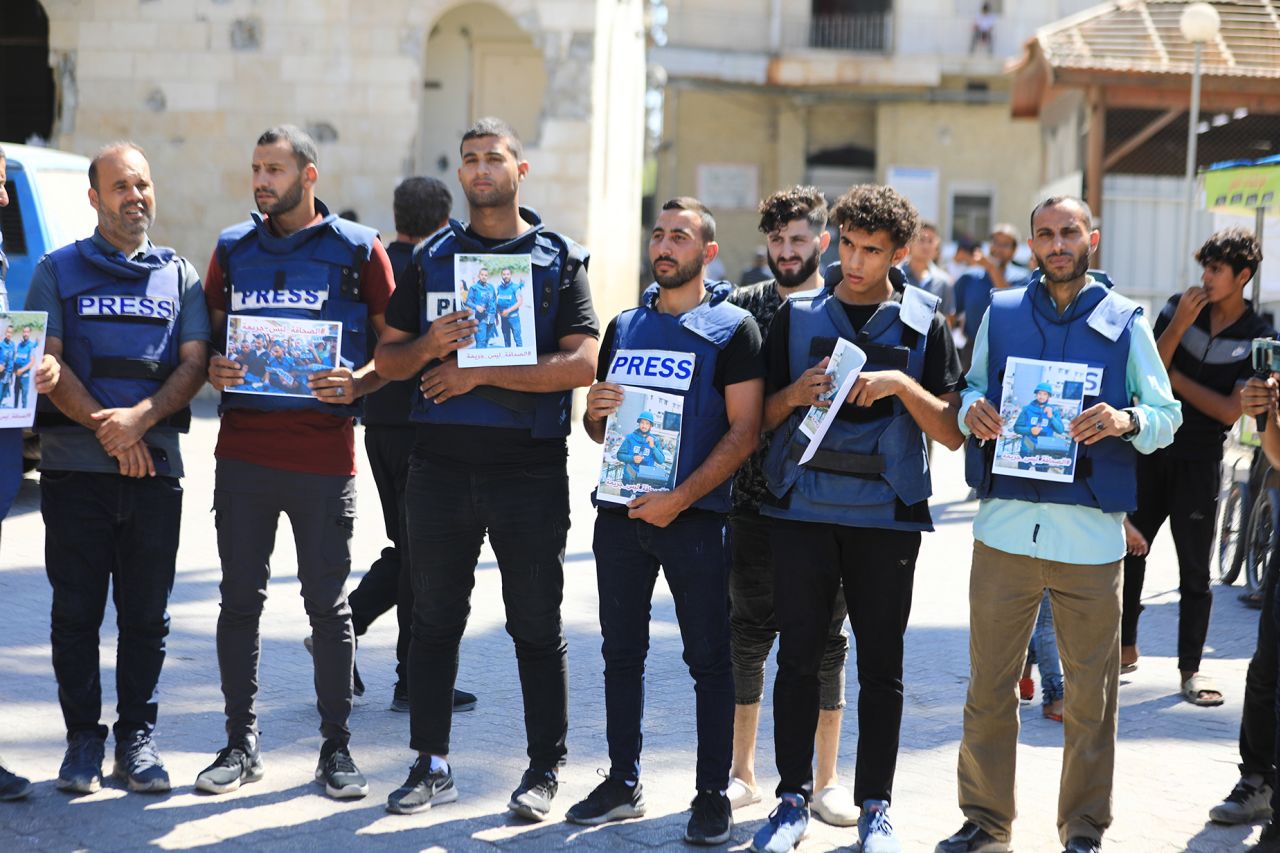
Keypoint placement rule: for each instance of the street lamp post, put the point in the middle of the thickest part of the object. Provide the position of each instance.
(1199, 23)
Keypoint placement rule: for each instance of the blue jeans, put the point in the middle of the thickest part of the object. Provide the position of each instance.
(1043, 652)
(693, 553)
(511, 329)
(100, 530)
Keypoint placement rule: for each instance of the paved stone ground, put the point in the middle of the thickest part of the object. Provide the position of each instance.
(1175, 761)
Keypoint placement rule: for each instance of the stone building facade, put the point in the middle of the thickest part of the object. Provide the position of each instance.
(386, 89)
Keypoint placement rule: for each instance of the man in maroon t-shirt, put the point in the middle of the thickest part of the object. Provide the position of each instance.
(291, 454)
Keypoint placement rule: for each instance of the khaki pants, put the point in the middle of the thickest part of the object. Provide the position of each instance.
(1004, 595)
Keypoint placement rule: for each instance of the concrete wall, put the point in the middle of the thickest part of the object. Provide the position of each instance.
(196, 81)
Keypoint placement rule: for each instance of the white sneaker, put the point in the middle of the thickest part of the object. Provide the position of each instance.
(1246, 803)
(741, 794)
(834, 805)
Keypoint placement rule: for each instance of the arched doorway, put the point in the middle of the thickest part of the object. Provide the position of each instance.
(26, 81)
(479, 62)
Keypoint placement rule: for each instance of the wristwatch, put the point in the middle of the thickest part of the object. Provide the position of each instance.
(1136, 421)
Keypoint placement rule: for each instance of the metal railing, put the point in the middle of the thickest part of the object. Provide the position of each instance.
(868, 33)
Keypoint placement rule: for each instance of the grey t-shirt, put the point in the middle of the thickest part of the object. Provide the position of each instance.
(79, 450)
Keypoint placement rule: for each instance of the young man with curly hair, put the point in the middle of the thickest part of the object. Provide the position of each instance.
(853, 514)
(1204, 340)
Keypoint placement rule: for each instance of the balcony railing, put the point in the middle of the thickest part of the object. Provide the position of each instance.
(867, 33)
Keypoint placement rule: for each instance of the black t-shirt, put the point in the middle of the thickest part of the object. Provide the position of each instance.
(481, 447)
(1200, 436)
(941, 375)
(389, 405)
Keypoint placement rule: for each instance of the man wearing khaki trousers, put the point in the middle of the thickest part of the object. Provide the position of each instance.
(1033, 534)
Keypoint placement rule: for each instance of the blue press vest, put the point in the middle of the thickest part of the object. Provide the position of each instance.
(119, 327)
(867, 471)
(313, 274)
(1023, 322)
(704, 331)
(555, 258)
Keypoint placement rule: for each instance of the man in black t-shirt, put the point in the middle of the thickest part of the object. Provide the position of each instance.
(1204, 336)
(852, 514)
(794, 223)
(686, 341)
(489, 459)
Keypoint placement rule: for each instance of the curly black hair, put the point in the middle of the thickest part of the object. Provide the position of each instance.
(872, 207)
(1235, 246)
(785, 206)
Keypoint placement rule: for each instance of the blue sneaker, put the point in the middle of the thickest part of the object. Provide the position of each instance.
(874, 830)
(786, 828)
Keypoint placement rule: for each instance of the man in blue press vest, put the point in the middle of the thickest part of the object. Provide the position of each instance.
(1032, 535)
(13, 786)
(481, 299)
(489, 459)
(507, 302)
(686, 339)
(128, 324)
(854, 513)
(292, 260)
(23, 352)
(639, 448)
(420, 208)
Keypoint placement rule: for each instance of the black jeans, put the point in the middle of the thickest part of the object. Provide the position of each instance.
(1258, 717)
(526, 516)
(386, 584)
(752, 626)
(877, 568)
(693, 555)
(1184, 491)
(247, 502)
(100, 529)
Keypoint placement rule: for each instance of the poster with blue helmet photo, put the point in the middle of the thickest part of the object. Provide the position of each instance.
(1038, 401)
(641, 445)
(279, 355)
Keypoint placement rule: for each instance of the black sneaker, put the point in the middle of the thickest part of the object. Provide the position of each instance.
(463, 701)
(400, 698)
(971, 838)
(613, 799)
(423, 789)
(357, 685)
(532, 799)
(1083, 844)
(338, 773)
(238, 763)
(712, 819)
(13, 786)
(81, 771)
(139, 765)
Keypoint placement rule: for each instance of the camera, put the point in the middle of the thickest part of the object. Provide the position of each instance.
(1266, 356)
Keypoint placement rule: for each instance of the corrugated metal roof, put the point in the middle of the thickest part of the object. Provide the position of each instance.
(1143, 36)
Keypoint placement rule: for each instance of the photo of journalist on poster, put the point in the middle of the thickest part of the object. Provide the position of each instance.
(495, 289)
(280, 355)
(641, 445)
(1037, 404)
(22, 336)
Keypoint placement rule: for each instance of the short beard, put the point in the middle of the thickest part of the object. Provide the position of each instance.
(283, 204)
(800, 276)
(1081, 267)
(133, 227)
(682, 275)
(496, 197)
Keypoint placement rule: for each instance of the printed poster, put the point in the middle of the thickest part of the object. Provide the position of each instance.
(846, 363)
(498, 291)
(1038, 401)
(279, 354)
(22, 336)
(641, 445)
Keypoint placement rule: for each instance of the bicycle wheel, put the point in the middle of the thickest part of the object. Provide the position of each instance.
(1258, 540)
(1232, 526)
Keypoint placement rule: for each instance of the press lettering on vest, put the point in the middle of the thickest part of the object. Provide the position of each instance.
(146, 307)
(653, 368)
(439, 304)
(249, 300)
